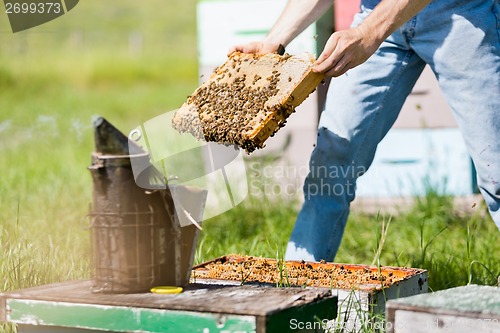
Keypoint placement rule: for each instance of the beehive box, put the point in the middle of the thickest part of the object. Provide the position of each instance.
(362, 290)
(461, 310)
(72, 307)
(248, 98)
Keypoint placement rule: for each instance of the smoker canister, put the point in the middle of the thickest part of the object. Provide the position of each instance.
(135, 238)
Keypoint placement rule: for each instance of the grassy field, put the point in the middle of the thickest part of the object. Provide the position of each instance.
(56, 78)
(53, 81)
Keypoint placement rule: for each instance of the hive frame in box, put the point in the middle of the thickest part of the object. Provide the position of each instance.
(357, 306)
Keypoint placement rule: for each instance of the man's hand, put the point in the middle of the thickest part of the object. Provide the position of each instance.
(254, 47)
(296, 16)
(349, 48)
(345, 50)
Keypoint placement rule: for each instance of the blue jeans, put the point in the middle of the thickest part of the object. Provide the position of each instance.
(460, 40)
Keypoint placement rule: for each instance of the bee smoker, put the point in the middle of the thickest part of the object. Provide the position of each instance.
(136, 239)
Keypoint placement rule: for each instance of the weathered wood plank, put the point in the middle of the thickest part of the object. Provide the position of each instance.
(250, 300)
(200, 308)
(53, 329)
(470, 299)
(3, 307)
(123, 319)
(475, 307)
(424, 322)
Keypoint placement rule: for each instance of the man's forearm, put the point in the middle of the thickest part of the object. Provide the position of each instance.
(389, 15)
(297, 15)
(347, 49)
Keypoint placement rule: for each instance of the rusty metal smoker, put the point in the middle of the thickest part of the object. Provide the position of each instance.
(137, 242)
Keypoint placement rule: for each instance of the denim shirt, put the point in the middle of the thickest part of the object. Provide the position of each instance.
(370, 3)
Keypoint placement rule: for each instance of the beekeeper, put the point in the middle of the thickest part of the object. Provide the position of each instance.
(376, 63)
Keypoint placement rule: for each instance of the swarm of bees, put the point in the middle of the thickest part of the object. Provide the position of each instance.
(244, 101)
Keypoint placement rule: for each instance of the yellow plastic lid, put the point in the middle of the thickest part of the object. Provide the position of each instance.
(166, 290)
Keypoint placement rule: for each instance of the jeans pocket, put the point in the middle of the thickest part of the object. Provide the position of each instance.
(496, 12)
(361, 15)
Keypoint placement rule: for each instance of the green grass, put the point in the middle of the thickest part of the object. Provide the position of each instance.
(55, 79)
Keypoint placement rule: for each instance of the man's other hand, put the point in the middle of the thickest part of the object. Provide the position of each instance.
(344, 50)
(254, 47)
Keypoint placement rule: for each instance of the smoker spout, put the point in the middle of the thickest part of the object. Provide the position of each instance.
(108, 139)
